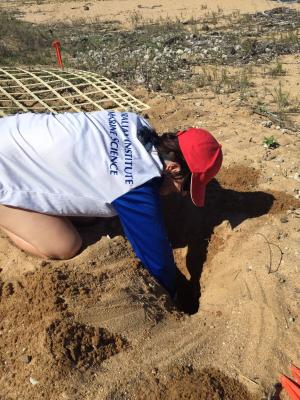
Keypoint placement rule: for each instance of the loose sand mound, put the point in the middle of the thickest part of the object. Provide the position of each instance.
(41, 337)
(80, 346)
(184, 383)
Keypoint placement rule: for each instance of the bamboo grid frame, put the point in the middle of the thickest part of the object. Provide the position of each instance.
(53, 90)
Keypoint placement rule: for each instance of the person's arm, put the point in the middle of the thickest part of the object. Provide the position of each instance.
(141, 217)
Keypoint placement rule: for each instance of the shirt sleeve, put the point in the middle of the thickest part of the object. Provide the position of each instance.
(140, 213)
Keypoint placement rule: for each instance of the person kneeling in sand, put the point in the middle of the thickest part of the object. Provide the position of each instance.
(98, 164)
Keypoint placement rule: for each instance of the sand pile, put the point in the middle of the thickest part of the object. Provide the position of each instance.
(43, 338)
(185, 383)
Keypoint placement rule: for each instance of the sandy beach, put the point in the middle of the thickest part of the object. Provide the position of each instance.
(98, 326)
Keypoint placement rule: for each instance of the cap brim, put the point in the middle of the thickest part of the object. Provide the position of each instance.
(197, 190)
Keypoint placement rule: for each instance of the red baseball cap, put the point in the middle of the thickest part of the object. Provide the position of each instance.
(203, 155)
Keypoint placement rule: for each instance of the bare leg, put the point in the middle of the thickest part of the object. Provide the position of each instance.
(40, 234)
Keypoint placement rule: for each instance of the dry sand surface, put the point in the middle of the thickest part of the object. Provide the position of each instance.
(99, 327)
(124, 10)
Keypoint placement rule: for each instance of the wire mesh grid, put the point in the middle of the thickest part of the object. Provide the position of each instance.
(54, 90)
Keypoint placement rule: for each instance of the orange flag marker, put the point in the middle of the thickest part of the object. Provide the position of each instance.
(56, 45)
(295, 373)
(291, 387)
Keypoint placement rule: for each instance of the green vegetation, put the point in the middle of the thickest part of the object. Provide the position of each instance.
(282, 99)
(220, 52)
(277, 70)
(23, 43)
(270, 142)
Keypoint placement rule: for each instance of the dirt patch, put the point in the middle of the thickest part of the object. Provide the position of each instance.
(238, 192)
(238, 177)
(185, 383)
(283, 202)
(80, 346)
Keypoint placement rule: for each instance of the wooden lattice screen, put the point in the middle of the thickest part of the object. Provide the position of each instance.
(53, 90)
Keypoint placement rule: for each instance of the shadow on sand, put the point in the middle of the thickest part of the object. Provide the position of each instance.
(191, 227)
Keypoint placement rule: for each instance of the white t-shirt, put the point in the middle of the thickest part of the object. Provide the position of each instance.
(72, 163)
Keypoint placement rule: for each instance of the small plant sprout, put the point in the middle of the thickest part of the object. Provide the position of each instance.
(281, 98)
(277, 70)
(270, 142)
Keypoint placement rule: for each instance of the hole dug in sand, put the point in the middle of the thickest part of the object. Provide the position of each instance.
(233, 198)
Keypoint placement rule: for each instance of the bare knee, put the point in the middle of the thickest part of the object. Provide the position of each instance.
(64, 250)
(40, 234)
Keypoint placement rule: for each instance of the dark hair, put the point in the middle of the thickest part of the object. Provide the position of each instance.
(168, 149)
